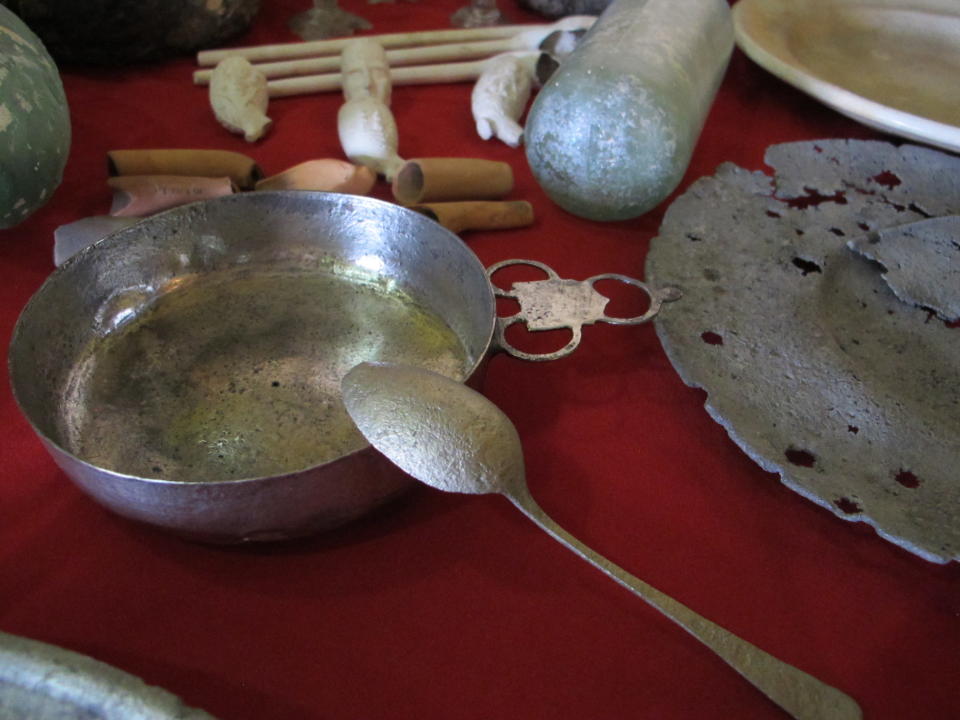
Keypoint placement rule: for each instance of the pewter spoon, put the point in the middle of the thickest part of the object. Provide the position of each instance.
(446, 435)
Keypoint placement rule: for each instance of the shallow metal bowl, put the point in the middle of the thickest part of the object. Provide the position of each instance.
(185, 371)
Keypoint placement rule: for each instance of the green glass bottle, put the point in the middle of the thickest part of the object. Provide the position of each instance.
(612, 132)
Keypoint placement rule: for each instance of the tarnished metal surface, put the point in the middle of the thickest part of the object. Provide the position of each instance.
(811, 362)
(186, 371)
(557, 303)
(44, 682)
(453, 438)
(920, 262)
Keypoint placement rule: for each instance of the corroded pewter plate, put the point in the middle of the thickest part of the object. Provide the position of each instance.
(811, 360)
(44, 682)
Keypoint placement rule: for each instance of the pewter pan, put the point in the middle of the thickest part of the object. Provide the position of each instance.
(185, 371)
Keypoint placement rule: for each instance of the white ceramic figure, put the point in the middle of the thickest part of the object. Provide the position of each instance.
(367, 129)
(368, 135)
(365, 71)
(238, 96)
(500, 96)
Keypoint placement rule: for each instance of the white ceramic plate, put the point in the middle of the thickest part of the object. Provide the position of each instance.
(893, 65)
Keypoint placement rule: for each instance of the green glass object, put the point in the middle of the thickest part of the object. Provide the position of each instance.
(34, 122)
(611, 133)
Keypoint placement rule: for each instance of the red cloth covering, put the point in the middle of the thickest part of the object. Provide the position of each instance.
(456, 607)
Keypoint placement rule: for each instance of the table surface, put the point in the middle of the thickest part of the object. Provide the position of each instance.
(450, 606)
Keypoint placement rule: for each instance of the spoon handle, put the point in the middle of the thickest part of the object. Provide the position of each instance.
(801, 695)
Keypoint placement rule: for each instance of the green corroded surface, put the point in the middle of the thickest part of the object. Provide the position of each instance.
(34, 122)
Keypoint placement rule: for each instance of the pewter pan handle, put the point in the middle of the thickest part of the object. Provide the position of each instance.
(556, 303)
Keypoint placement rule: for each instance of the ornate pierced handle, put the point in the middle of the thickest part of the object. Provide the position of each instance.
(556, 303)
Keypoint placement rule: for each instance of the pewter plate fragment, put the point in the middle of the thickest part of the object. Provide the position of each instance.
(44, 682)
(920, 262)
(815, 367)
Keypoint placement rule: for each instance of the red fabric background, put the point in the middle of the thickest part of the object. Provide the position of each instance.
(445, 606)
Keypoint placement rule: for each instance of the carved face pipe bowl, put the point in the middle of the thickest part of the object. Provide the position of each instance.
(365, 71)
(185, 372)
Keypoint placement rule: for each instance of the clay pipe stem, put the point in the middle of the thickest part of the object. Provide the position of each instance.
(414, 75)
(316, 48)
(425, 180)
(71, 238)
(402, 57)
(174, 161)
(478, 214)
(422, 55)
(140, 195)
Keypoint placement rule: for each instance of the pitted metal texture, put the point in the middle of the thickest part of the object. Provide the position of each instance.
(816, 367)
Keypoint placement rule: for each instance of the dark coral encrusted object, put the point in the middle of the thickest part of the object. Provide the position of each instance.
(562, 8)
(326, 19)
(107, 32)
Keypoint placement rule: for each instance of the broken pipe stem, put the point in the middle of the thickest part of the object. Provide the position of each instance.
(478, 214)
(141, 195)
(242, 170)
(440, 179)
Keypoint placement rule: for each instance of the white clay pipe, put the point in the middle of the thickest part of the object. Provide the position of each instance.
(239, 98)
(415, 75)
(316, 48)
(447, 52)
(500, 96)
(365, 124)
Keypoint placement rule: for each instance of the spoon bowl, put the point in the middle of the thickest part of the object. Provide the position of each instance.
(453, 438)
(457, 443)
